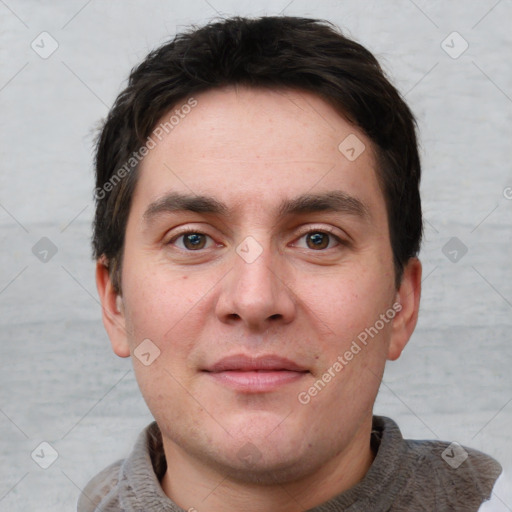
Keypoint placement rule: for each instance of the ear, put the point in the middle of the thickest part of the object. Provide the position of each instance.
(112, 310)
(408, 296)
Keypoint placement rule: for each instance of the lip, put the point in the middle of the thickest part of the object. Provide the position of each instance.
(255, 374)
(244, 363)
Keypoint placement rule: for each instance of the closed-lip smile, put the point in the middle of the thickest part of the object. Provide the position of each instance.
(255, 373)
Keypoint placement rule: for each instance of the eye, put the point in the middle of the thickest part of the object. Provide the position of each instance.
(319, 240)
(190, 241)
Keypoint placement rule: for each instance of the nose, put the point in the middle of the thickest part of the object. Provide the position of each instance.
(257, 291)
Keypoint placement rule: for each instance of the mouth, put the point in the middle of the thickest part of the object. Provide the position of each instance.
(255, 374)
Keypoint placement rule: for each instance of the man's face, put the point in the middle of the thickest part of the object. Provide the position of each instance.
(254, 292)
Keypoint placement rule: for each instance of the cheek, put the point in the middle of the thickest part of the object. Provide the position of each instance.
(155, 301)
(165, 311)
(348, 316)
(171, 311)
(352, 301)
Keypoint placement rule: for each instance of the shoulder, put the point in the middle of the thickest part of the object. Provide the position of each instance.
(501, 499)
(454, 459)
(452, 474)
(117, 486)
(431, 475)
(99, 489)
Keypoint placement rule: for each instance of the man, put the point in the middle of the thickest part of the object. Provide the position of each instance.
(257, 229)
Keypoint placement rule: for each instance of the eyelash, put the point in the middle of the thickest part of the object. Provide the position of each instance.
(324, 231)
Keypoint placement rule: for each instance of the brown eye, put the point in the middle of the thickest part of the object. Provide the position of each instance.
(317, 240)
(194, 241)
(190, 241)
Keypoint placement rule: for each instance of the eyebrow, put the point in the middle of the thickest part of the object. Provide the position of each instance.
(336, 201)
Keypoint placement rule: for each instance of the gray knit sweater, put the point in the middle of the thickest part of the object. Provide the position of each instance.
(406, 476)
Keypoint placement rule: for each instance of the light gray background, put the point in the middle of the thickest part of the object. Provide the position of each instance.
(60, 382)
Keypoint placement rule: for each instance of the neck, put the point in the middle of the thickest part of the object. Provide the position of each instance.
(196, 487)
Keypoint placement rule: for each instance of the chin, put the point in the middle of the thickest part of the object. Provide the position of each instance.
(262, 454)
(267, 469)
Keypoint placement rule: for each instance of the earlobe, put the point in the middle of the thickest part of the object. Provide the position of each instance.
(408, 296)
(112, 311)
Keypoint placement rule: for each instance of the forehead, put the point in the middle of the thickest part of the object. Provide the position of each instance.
(257, 147)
